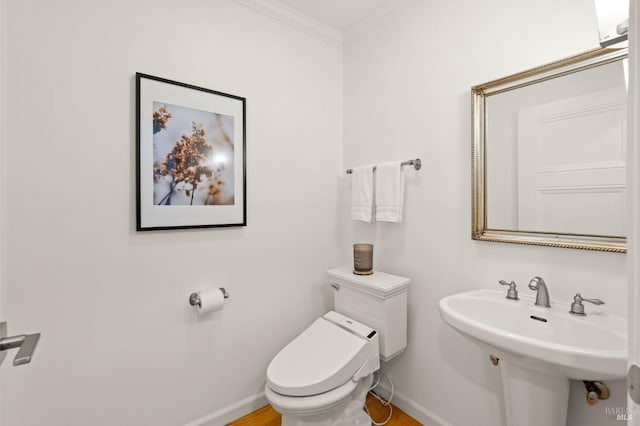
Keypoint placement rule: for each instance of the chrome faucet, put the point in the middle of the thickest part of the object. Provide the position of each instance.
(542, 296)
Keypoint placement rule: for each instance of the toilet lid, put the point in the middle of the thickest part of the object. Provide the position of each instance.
(320, 359)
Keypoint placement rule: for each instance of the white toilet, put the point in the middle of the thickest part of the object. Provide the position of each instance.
(321, 378)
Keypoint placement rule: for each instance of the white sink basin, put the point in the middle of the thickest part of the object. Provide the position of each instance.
(593, 347)
(539, 349)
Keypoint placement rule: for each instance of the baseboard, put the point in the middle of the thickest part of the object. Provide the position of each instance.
(412, 408)
(248, 405)
(232, 412)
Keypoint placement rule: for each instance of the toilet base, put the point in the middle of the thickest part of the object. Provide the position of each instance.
(349, 412)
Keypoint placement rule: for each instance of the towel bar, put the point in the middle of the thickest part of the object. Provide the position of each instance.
(417, 164)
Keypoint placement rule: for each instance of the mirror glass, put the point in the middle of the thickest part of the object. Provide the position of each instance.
(550, 154)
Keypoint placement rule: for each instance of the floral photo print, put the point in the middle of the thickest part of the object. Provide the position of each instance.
(191, 156)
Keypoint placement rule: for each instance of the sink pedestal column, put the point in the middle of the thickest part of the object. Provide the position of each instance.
(534, 398)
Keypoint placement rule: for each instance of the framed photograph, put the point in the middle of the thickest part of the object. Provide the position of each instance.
(191, 164)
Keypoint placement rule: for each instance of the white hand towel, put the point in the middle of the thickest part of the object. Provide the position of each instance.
(389, 192)
(362, 193)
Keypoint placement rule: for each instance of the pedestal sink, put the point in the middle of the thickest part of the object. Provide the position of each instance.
(539, 349)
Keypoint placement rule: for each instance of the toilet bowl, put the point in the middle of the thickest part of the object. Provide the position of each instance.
(322, 377)
(341, 406)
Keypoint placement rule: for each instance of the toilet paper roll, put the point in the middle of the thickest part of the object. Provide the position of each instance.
(211, 300)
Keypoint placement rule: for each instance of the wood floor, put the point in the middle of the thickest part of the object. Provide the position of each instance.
(267, 416)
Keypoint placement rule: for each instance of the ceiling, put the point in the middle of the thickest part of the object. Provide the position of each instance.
(339, 14)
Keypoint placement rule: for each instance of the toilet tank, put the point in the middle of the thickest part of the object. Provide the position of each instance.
(378, 300)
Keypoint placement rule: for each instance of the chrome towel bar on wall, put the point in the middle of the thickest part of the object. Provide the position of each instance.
(416, 163)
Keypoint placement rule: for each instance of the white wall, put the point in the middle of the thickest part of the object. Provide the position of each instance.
(408, 74)
(120, 345)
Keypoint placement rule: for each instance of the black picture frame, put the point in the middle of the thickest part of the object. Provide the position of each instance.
(190, 156)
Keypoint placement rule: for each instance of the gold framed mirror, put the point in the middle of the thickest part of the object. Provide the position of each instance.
(549, 154)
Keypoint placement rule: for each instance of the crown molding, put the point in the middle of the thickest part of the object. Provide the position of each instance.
(295, 19)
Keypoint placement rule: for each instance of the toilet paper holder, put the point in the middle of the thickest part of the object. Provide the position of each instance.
(194, 299)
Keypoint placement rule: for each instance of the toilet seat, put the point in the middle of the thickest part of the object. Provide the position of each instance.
(307, 405)
(322, 358)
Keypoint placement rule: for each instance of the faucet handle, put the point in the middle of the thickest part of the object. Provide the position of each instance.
(512, 293)
(577, 308)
